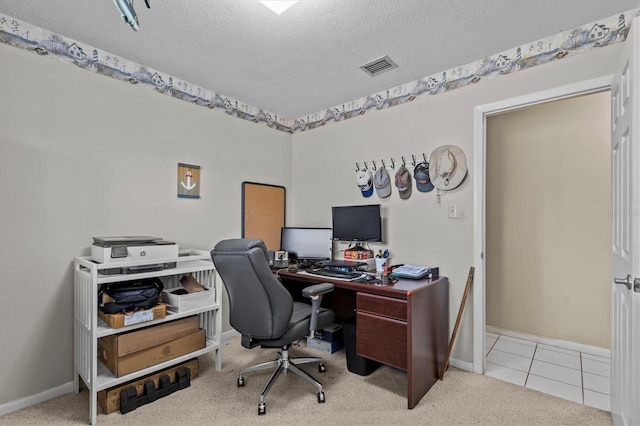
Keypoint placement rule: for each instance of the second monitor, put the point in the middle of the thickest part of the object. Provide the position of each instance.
(307, 245)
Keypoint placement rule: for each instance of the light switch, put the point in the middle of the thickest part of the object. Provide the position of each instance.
(453, 211)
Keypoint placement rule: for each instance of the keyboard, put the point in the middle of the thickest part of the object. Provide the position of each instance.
(336, 274)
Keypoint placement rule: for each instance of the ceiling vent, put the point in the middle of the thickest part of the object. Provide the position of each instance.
(378, 66)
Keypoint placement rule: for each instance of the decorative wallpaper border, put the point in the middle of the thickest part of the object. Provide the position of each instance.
(590, 36)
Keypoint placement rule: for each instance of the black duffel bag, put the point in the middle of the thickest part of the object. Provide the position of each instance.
(130, 295)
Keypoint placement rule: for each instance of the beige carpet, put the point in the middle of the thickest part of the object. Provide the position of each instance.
(214, 399)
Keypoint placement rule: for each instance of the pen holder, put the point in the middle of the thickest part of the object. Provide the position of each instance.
(381, 262)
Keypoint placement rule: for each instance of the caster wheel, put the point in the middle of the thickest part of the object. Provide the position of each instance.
(262, 409)
(240, 381)
(322, 368)
(321, 397)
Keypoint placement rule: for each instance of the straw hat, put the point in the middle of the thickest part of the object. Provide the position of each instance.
(447, 167)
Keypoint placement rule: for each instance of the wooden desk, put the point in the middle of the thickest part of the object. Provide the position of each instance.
(404, 325)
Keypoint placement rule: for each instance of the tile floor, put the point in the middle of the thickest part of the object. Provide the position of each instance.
(574, 375)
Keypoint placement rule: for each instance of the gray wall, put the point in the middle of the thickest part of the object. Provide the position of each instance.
(82, 155)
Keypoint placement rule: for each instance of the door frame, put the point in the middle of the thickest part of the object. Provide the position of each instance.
(481, 113)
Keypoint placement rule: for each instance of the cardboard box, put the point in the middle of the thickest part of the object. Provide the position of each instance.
(331, 333)
(109, 399)
(324, 346)
(121, 366)
(134, 341)
(121, 320)
(187, 302)
(129, 352)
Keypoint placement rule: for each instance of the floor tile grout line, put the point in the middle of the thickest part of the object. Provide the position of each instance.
(559, 365)
(535, 348)
(491, 348)
(511, 353)
(595, 391)
(582, 377)
(557, 381)
(596, 374)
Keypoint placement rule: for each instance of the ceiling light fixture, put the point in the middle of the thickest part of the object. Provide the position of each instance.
(278, 6)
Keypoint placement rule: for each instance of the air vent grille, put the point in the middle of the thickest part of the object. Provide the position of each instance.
(379, 66)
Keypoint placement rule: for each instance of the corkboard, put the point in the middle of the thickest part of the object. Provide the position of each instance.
(263, 212)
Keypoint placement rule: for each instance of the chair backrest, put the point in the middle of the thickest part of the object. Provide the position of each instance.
(259, 305)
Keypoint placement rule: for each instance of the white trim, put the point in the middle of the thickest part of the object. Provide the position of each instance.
(228, 335)
(19, 404)
(462, 365)
(479, 150)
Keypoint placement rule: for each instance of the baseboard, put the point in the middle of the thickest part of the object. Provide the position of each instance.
(19, 404)
(462, 365)
(579, 347)
(228, 335)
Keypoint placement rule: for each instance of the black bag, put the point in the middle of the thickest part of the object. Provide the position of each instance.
(130, 296)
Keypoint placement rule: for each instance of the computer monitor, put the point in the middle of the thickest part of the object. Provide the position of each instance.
(357, 223)
(307, 244)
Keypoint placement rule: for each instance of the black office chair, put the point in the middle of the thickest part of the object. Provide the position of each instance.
(264, 312)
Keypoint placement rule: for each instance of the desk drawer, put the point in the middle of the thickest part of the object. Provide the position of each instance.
(382, 339)
(381, 305)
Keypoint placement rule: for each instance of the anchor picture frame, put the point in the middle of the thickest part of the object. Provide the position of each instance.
(188, 181)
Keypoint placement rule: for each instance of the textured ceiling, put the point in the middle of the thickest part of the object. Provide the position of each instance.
(308, 59)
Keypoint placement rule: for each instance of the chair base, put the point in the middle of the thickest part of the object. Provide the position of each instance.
(283, 364)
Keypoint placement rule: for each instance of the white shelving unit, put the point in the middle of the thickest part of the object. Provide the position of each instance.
(88, 328)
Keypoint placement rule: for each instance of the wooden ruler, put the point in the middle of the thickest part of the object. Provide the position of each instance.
(445, 365)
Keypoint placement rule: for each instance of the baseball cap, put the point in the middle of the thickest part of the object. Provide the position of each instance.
(382, 183)
(403, 183)
(363, 179)
(421, 175)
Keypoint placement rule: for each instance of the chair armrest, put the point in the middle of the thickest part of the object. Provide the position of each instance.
(315, 292)
(317, 289)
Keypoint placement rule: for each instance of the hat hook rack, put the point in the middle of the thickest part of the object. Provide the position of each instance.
(374, 167)
(393, 163)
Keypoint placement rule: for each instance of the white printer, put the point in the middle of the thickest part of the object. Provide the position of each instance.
(114, 250)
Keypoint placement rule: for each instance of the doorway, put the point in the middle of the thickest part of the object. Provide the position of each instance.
(548, 189)
(481, 114)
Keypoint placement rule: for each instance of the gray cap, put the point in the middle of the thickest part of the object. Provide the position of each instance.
(403, 182)
(382, 183)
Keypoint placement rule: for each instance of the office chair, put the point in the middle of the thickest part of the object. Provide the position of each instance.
(263, 311)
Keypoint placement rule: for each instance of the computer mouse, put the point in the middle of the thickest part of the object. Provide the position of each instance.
(369, 277)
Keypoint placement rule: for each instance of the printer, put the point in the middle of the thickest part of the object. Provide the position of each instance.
(120, 249)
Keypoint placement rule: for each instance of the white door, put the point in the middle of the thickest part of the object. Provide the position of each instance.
(625, 145)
